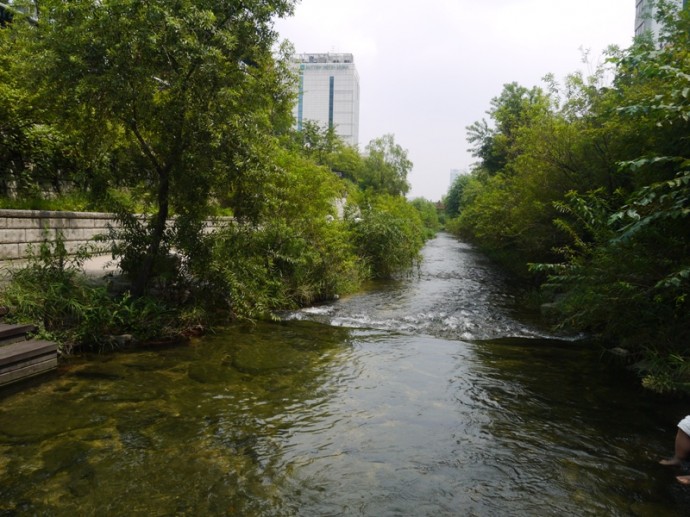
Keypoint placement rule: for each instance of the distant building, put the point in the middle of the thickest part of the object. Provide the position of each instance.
(329, 93)
(454, 173)
(9, 9)
(645, 14)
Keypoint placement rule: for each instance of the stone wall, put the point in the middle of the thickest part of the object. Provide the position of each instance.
(21, 228)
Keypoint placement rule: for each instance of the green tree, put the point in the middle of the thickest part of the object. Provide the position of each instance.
(388, 234)
(512, 111)
(323, 145)
(180, 94)
(504, 205)
(567, 140)
(626, 273)
(318, 142)
(453, 199)
(35, 155)
(428, 214)
(386, 167)
(348, 163)
(298, 254)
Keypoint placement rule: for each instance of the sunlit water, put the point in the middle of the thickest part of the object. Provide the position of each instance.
(421, 397)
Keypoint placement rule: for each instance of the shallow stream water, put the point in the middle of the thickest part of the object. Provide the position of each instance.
(433, 395)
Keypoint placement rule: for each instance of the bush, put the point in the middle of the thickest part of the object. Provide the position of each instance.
(298, 253)
(253, 270)
(428, 215)
(388, 235)
(52, 293)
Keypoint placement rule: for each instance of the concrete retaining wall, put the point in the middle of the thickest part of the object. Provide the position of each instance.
(21, 228)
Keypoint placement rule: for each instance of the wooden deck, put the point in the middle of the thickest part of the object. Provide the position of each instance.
(13, 333)
(21, 358)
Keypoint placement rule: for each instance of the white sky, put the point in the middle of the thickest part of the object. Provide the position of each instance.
(430, 68)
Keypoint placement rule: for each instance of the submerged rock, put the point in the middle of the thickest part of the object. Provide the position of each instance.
(258, 359)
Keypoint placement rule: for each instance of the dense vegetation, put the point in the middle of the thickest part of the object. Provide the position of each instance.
(181, 111)
(586, 187)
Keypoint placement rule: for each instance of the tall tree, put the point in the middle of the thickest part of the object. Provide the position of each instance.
(180, 92)
(35, 156)
(511, 112)
(453, 200)
(386, 167)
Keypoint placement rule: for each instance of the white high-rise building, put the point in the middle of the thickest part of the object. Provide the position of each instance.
(645, 14)
(329, 93)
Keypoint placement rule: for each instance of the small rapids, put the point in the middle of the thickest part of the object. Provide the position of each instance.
(455, 294)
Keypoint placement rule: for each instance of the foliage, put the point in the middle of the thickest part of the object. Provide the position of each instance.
(388, 235)
(74, 201)
(52, 292)
(386, 167)
(178, 97)
(453, 199)
(299, 254)
(35, 156)
(645, 262)
(316, 141)
(511, 112)
(177, 111)
(322, 145)
(609, 167)
(664, 373)
(256, 270)
(428, 214)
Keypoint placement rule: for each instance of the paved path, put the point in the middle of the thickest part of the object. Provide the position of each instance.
(95, 268)
(100, 265)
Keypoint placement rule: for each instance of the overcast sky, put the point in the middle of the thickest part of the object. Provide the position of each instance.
(430, 68)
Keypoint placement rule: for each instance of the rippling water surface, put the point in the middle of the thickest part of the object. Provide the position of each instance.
(426, 396)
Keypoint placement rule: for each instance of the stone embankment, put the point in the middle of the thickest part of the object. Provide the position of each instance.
(21, 229)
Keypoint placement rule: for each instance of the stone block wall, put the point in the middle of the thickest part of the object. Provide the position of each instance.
(21, 228)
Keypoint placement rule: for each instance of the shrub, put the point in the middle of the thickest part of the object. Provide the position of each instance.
(428, 215)
(52, 293)
(388, 235)
(253, 271)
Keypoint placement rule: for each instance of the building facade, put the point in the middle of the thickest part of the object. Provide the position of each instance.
(454, 174)
(644, 16)
(328, 93)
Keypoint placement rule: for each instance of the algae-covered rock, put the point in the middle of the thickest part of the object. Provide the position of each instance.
(64, 456)
(262, 359)
(36, 422)
(209, 373)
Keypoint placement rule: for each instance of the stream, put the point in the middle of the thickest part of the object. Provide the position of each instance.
(431, 395)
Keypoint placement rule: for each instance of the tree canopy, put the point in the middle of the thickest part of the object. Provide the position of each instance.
(170, 114)
(386, 167)
(175, 95)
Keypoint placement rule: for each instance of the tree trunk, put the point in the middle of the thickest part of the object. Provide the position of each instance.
(141, 283)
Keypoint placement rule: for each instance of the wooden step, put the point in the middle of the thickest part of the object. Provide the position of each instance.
(14, 333)
(26, 359)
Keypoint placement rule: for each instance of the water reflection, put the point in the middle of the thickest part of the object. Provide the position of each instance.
(581, 436)
(197, 428)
